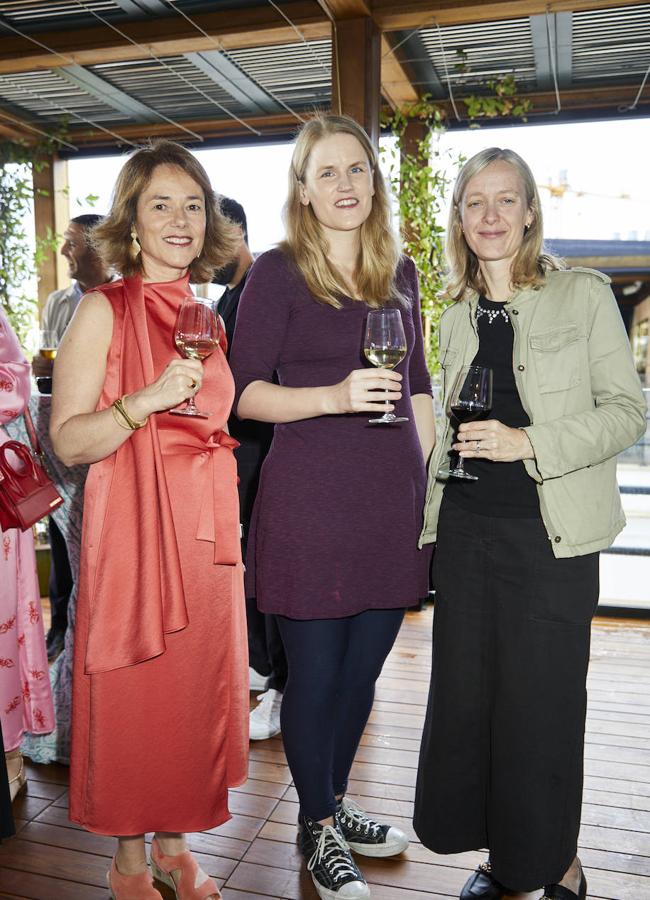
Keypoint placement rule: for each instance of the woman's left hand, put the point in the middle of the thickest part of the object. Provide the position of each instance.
(491, 439)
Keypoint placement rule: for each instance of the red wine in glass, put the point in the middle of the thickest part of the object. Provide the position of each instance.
(470, 399)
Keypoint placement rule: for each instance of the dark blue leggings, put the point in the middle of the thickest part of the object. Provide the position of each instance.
(333, 667)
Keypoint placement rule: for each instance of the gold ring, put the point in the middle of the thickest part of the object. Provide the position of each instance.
(192, 384)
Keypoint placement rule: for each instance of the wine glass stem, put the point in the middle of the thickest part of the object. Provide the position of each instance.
(461, 463)
(191, 404)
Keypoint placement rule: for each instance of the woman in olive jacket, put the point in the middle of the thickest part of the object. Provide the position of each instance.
(516, 566)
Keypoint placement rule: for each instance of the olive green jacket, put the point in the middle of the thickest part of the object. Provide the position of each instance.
(577, 383)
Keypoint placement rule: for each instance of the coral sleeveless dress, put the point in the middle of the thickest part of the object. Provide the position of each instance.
(160, 685)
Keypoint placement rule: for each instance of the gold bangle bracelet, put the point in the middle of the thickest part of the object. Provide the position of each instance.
(131, 423)
(118, 418)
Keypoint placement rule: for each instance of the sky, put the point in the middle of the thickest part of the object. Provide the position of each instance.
(603, 164)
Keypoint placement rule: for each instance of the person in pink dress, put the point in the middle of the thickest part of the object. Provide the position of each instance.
(25, 695)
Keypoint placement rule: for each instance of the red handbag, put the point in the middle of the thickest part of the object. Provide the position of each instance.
(27, 493)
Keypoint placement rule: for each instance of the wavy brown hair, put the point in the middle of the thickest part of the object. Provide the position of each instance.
(305, 243)
(112, 237)
(531, 263)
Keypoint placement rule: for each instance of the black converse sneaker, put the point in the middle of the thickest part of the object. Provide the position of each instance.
(333, 871)
(366, 837)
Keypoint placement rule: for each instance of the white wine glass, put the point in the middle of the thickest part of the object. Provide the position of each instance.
(196, 336)
(47, 349)
(385, 347)
(48, 345)
(471, 398)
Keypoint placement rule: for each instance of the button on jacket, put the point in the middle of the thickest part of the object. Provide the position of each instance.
(576, 379)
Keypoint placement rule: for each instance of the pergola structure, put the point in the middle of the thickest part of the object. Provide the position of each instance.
(116, 72)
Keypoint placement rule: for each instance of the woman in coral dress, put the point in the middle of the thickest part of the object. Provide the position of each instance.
(160, 694)
(25, 695)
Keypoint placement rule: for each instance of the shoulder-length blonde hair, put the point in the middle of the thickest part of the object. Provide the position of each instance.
(112, 237)
(531, 263)
(305, 243)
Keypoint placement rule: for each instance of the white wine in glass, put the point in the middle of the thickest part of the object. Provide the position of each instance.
(196, 336)
(49, 343)
(385, 347)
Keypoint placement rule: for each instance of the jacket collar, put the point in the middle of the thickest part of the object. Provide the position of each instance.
(519, 298)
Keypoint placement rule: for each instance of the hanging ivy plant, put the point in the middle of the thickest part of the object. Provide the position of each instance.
(20, 255)
(503, 100)
(423, 175)
(420, 184)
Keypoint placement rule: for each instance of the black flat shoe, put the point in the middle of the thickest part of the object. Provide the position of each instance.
(559, 892)
(481, 885)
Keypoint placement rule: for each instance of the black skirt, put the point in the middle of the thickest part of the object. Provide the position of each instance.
(501, 762)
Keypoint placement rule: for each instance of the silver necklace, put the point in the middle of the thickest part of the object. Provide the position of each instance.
(492, 314)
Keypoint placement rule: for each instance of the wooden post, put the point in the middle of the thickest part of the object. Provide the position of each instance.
(356, 72)
(51, 217)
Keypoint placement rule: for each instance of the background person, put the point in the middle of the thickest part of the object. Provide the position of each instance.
(160, 688)
(268, 662)
(87, 270)
(332, 550)
(25, 694)
(516, 564)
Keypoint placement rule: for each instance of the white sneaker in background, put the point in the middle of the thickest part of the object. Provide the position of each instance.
(264, 720)
(257, 681)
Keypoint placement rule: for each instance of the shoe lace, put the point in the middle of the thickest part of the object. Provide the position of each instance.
(332, 851)
(358, 819)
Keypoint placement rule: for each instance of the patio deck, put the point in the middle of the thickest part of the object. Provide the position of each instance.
(254, 856)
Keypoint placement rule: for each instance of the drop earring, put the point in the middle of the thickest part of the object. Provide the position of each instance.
(135, 244)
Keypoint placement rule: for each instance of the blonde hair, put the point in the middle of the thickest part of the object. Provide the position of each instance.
(305, 243)
(531, 263)
(112, 237)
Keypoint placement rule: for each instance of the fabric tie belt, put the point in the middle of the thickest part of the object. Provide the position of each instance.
(218, 520)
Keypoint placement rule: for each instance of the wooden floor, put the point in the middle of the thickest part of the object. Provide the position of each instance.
(254, 855)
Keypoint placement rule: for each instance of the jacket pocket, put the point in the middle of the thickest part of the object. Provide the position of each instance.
(556, 356)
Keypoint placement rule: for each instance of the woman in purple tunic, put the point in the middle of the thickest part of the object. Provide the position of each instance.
(333, 545)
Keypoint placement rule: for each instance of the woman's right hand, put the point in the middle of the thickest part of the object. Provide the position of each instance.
(172, 387)
(359, 392)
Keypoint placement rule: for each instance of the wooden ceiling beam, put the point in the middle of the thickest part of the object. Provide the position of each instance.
(596, 98)
(211, 129)
(346, 9)
(282, 123)
(166, 36)
(15, 128)
(396, 85)
(259, 25)
(393, 16)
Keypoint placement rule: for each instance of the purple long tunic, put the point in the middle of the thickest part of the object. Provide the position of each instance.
(340, 502)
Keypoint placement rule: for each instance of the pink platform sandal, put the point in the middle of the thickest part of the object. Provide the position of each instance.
(131, 887)
(193, 884)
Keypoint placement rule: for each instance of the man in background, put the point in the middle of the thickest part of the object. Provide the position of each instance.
(266, 652)
(87, 271)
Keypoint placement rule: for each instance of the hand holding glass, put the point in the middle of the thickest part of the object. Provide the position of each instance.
(385, 347)
(471, 397)
(196, 336)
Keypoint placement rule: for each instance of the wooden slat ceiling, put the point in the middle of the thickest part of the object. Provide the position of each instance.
(136, 68)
